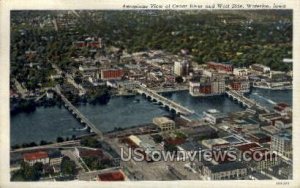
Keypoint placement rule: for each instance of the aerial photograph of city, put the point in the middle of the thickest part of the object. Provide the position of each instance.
(134, 95)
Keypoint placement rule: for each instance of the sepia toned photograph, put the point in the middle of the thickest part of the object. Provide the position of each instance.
(150, 95)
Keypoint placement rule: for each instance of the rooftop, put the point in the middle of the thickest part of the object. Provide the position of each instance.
(247, 146)
(162, 120)
(225, 63)
(233, 140)
(199, 130)
(215, 113)
(35, 155)
(112, 176)
(259, 135)
(260, 65)
(226, 167)
(54, 154)
(135, 139)
(284, 135)
(190, 146)
(216, 141)
(91, 153)
(270, 129)
(259, 176)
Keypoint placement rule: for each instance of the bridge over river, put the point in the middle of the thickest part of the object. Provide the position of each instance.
(153, 95)
(77, 113)
(246, 102)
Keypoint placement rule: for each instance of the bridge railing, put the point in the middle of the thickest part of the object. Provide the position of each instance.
(241, 97)
(74, 109)
(246, 100)
(165, 100)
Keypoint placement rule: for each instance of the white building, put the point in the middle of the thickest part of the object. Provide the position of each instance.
(277, 74)
(181, 68)
(49, 95)
(287, 60)
(194, 88)
(32, 158)
(164, 123)
(282, 143)
(87, 68)
(245, 86)
(224, 171)
(283, 123)
(218, 86)
(260, 68)
(240, 71)
(213, 116)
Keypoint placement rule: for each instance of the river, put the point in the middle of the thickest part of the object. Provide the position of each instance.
(49, 123)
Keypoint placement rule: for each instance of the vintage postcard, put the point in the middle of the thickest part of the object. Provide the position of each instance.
(186, 92)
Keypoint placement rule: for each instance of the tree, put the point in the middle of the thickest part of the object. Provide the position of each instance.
(95, 163)
(15, 146)
(170, 148)
(99, 95)
(90, 142)
(59, 139)
(179, 79)
(68, 167)
(28, 173)
(157, 138)
(43, 142)
(32, 144)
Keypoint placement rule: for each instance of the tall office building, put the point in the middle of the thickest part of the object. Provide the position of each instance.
(181, 68)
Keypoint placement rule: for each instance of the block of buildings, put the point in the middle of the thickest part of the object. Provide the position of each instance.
(55, 157)
(282, 143)
(200, 132)
(207, 86)
(262, 158)
(240, 85)
(145, 143)
(269, 117)
(283, 123)
(233, 170)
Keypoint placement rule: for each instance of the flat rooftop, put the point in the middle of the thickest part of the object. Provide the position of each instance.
(216, 141)
(233, 139)
(224, 167)
(162, 120)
